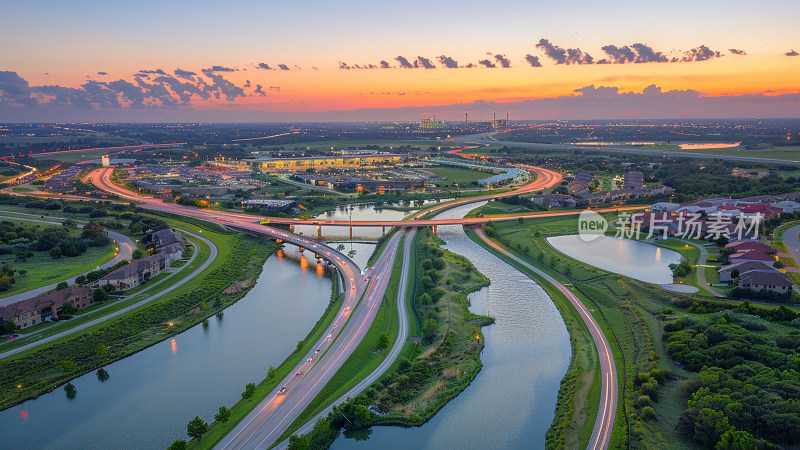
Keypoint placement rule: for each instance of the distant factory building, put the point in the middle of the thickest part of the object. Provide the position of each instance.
(352, 161)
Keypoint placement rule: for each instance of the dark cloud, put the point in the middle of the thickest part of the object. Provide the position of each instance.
(220, 86)
(637, 53)
(15, 90)
(447, 62)
(791, 53)
(487, 63)
(533, 60)
(404, 63)
(184, 91)
(385, 65)
(274, 88)
(259, 91)
(219, 69)
(343, 65)
(502, 60)
(701, 53)
(564, 56)
(102, 73)
(470, 66)
(264, 66)
(736, 51)
(423, 62)
(283, 67)
(246, 83)
(185, 74)
(154, 72)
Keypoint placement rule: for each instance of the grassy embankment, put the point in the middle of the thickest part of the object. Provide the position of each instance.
(427, 374)
(42, 369)
(626, 310)
(579, 394)
(151, 288)
(243, 407)
(457, 175)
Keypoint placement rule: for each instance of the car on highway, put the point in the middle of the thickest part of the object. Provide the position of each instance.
(299, 372)
(316, 352)
(330, 335)
(347, 309)
(282, 390)
(309, 359)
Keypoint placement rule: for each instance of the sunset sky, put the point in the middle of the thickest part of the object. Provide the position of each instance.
(187, 61)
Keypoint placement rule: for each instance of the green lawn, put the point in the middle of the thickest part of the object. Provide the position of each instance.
(458, 175)
(783, 152)
(43, 269)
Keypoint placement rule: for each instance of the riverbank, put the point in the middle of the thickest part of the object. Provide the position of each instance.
(435, 365)
(579, 393)
(217, 430)
(44, 369)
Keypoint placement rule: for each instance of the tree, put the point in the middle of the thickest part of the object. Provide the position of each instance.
(180, 444)
(196, 428)
(429, 329)
(249, 390)
(223, 415)
(6, 281)
(56, 252)
(425, 299)
(736, 440)
(68, 309)
(383, 341)
(8, 326)
(80, 279)
(271, 372)
(62, 285)
(99, 295)
(137, 254)
(298, 442)
(710, 426)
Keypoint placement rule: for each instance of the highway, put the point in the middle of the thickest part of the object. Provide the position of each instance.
(363, 294)
(266, 423)
(394, 352)
(274, 414)
(604, 423)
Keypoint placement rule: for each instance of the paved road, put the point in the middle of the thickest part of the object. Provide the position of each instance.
(608, 370)
(701, 273)
(268, 421)
(394, 352)
(486, 139)
(278, 410)
(792, 242)
(126, 247)
(146, 300)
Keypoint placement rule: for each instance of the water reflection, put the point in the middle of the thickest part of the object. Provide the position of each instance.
(511, 402)
(154, 393)
(639, 260)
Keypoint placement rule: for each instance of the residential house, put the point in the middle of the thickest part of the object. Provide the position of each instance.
(771, 280)
(26, 313)
(726, 272)
(136, 272)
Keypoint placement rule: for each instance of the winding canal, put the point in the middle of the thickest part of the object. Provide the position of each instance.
(511, 403)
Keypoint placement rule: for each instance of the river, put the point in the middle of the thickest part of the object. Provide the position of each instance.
(151, 395)
(511, 403)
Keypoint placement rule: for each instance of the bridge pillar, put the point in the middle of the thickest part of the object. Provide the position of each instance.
(351, 232)
(291, 228)
(383, 230)
(434, 229)
(319, 231)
